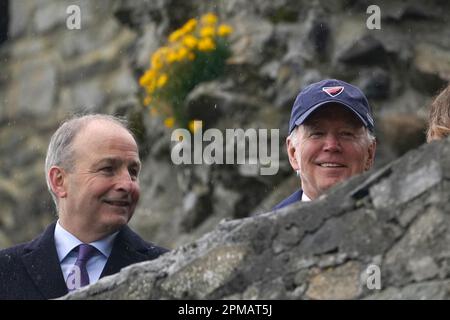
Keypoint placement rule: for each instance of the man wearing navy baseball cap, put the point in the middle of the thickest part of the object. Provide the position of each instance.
(331, 137)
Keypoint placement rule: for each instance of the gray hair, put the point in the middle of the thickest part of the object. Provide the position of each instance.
(370, 135)
(60, 149)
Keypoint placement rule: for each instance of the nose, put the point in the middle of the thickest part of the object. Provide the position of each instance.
(332, 143)
(124, 182)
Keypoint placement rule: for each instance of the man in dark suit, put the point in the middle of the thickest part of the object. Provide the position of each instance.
(331, 137)
(92, 170)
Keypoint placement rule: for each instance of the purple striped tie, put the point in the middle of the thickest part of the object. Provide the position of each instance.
(78, 276)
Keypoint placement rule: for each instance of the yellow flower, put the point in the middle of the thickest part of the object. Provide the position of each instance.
(163, 51)
(206, 44)
(145, 79)
(147, 100)
(209, 19)
(207, 32)
(169, 122)
(162, 80)
(172, 57)
(224, 30)
(182, 53)
(189, 26)
(157, 63)
(157, 60)
(176, 61)
(151, 86)
(179, 136)
(174, 36)
(142, 81)
(190, 41)
(194, 125)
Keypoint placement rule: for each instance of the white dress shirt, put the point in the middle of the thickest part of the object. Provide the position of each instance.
(305, 197)
(65, 243)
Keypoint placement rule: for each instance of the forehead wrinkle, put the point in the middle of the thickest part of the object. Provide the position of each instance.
(118, 160)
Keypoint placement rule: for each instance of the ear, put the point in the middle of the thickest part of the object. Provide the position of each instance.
(371, 155)
(57, 177)
(291, 148)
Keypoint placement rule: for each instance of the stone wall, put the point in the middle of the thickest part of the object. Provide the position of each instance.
(279, 46)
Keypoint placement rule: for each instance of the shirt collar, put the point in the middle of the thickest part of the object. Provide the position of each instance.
(65, 242)
(305, 197)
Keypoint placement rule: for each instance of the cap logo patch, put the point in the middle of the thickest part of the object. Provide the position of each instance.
(333, 91)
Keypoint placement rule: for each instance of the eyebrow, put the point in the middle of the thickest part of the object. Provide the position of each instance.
(115, 161)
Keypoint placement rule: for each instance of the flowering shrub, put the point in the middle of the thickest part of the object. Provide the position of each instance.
(194, 53)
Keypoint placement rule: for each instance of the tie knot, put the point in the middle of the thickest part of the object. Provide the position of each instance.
(85, 252)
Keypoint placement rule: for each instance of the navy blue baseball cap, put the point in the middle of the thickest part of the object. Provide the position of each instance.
(330, 91)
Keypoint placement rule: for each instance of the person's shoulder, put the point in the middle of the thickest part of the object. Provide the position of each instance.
(154, 250)
(10, 260)
(296, 196)
(148, 248)
(12, 252)
(25, 247)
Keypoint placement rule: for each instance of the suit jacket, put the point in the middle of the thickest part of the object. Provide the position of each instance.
(296, 196)
(32, 270)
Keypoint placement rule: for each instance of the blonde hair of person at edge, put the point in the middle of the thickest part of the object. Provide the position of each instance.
(439, 116)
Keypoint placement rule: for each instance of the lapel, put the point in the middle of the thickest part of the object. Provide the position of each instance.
(42, 264)
(128, 248)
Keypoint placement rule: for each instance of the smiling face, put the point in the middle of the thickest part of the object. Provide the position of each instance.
(101, 192)
(329, 147)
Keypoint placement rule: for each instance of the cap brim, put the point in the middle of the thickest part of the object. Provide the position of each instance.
(304, 116)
